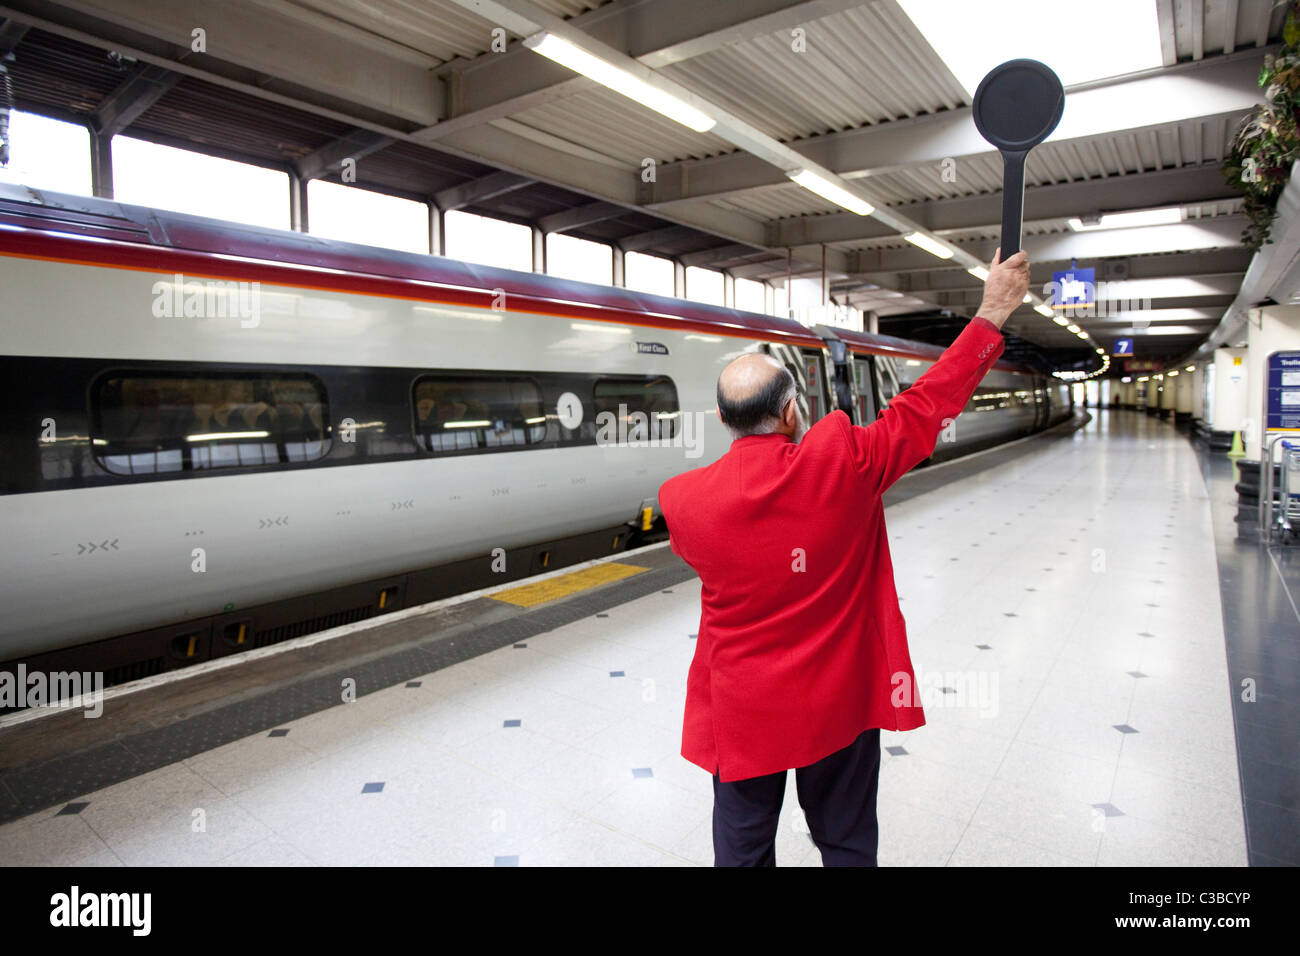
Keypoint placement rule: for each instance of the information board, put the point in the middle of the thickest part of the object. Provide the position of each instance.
(1282, 400)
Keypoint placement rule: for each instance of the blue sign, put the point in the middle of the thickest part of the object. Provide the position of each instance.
(1283, 400)
(1074, 288)
(1122, 347)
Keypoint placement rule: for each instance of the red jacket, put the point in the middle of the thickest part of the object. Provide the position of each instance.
(802, 645)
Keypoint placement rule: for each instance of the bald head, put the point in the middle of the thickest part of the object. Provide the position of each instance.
(754, 393)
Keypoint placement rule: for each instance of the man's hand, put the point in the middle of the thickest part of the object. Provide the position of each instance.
(1005, 288)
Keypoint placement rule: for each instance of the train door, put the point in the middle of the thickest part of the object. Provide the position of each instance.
(862, 380)
(808, 366)
(887, 382)
(818, 385)
(844, 385)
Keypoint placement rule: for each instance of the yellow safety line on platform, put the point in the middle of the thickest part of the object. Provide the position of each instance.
(528, 595)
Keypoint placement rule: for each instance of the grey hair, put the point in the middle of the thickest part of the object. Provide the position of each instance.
(760, 414)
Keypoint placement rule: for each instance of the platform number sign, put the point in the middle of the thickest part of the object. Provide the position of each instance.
(568, 409)
(1122, 347)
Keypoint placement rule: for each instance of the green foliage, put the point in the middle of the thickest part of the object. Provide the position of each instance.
(1268, 141)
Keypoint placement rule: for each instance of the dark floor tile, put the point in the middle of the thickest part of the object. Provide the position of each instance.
(1270, 782)
(1273, 830)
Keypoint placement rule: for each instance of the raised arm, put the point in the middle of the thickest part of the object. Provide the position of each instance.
(907, 429)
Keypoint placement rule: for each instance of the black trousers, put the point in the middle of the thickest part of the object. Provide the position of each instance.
(838, 796)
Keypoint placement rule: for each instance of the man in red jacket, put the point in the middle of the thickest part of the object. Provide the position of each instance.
(801, 656)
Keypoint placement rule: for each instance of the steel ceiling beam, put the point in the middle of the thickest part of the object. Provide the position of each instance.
(642, 241)
(1224, 232)
(139, 91)
(488, 88)
(479, 190)
(1189, 185)
(1224, 86)
(277, 42)
(579, 216)
(704, 257)
(524, 18)
(354, 145)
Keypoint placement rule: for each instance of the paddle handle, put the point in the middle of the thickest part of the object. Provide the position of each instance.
(1013, 201)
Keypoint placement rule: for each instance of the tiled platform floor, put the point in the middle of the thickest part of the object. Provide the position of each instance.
(1069, 597)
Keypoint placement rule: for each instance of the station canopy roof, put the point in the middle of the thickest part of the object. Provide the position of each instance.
(443, 101)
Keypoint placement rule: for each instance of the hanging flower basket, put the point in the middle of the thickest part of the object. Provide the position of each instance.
(1268, 141)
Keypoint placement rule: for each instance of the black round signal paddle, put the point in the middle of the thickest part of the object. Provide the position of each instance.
(1017, 105)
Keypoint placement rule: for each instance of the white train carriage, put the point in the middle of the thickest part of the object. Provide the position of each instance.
(215, 437)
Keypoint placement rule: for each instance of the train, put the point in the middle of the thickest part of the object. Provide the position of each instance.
(217, 437)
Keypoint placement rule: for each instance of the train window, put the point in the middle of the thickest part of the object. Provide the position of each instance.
(459, 413)
(643, 408)
(149, 423)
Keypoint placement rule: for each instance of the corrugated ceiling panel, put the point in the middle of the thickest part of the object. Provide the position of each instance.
(1212, 210)
(778, 202)
(1200, 27)
(860, 67)
(437, 28)
(612, 124)
(1192, 143)
(228, 120)
(53, 72)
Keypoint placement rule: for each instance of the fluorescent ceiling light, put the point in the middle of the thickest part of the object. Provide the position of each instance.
(1173, 373)
(1127, 220)
(972, 37)
(1081, 334)
(1060, 321)
(833, 191)
(619, 80)
(1101, 351)
(982, 274)
(930, 245)
(1073, 328)
(1028, 298)
(1191, 368)
(1044, 310)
